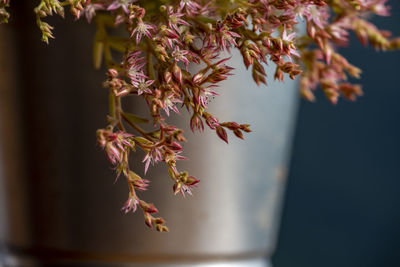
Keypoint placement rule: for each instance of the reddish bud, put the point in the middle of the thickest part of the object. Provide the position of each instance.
(112, 73)
(148, 207)
(197, 78)
(191, 181)
(258, 67)
(274, 20)
(148, 219)
(245, 127)
(177, 72)
(175, 146)
(167, 76)
(222, 134)
(332, 95)
(231, 125)
(238, 133)
(196, 123)
(310, 30)
(278, 74)
(177, 187)
(159, 220)
(247, 59)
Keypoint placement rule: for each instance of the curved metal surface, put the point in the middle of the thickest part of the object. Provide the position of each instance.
(70, 201)
(15, 261)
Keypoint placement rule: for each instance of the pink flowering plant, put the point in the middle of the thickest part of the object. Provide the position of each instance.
(163, 37)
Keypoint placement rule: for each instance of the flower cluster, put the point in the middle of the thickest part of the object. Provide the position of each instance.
(165, 36)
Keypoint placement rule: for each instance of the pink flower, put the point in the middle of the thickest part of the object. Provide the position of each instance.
(180, 55)
(90, 10)
(224, 38)
(204, 94)
(135, 65)
(190, 6)
(120, 3)
(138, 182)
(196, 123)
(290, 49)
(130, 204)
(169, 103)
(379, 8)
(113, 154)
(153, 156)
(211, 121)
(142, 29)
(185, 186)
(115, 144)
(339, 30)
(316, 14)
(174, 18)
(142, 86)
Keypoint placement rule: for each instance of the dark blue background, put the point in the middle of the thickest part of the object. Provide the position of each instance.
(342, 206)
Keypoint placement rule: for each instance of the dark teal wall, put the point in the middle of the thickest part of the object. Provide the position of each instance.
(342, 204)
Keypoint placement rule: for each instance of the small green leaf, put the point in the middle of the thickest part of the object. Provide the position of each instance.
(135, 119)
(98, 50)
(142, 140)
(111, 103)
(133, 176)
(117, 43)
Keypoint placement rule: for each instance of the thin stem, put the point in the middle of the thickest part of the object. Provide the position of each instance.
(118, 114)
(134, 126)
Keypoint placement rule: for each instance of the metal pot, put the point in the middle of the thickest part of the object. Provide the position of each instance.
(59, 204)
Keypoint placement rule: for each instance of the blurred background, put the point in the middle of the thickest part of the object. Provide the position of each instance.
(343, 197)
(343, 194)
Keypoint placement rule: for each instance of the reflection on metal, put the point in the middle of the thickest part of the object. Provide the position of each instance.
(13, 261)
(71, 202)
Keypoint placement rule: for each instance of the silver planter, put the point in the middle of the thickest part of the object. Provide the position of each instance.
(59, 204)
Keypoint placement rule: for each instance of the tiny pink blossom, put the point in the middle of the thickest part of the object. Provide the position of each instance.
(174, 18)
(124, 4)
(224, 38)
(115, 144)
(190, 6)
(130, 204)
(187, 186)
(379, 8)
(204, 95)
(141, 184)
(169, 103)
(212, 122)
(135, 65)
(291, 48)
(141, 30)
(318, 15)
(180, 55)
(196, 123)
(142, 86)
(153, 156)
(90, 10)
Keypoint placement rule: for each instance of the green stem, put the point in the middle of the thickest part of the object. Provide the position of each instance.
(137, 128)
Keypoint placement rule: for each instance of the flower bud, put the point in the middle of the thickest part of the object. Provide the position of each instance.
(148, 207)
(113, 73)
(245, 127)
(238, 133)
(177, 187)
(222, 134)
(197, 78)
(177, 72)
(167, 77)
(148, 219)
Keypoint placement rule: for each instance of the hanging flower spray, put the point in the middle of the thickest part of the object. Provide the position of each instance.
(163, 37)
